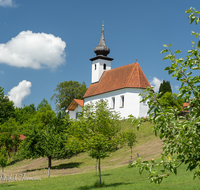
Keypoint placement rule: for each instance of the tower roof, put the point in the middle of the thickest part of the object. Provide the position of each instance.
(128, 76)
(102, 49)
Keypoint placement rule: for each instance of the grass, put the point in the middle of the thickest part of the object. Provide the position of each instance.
(122, 178)
(79, 172)
(148, 146)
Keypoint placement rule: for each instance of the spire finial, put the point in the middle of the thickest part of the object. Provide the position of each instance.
(103, 25)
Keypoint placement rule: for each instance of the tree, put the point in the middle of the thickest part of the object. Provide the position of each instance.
(131, 139)
(45, 136)
(94, 154)
(7, 109)
(24, 114)
(180, 136)
(66, 91)
(97, 129)
(164, 87)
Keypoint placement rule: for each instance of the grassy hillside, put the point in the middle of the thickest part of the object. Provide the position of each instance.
(148, 146)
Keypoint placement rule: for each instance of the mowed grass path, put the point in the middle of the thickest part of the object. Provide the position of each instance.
(122, 178)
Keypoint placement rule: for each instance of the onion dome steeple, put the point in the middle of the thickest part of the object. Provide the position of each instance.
(102, 49)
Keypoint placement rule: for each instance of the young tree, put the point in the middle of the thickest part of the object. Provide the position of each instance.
(94, 154)
(45, 136)
(130, 137)
(97, 129)
(180, 136)
(66, 91)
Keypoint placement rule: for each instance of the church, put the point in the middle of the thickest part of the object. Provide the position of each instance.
(119, 86)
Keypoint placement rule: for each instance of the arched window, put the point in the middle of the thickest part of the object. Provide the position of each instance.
(95, 67)
(104, 66)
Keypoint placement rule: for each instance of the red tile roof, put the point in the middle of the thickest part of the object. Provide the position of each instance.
(128, 76)
(21, 136)
(80, 102)
(74, 104)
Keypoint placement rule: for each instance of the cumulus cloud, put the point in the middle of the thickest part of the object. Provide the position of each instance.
(7, 3)
(19, 92)
(156, 83)
(33, 50)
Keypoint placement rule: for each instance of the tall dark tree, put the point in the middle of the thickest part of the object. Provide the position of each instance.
(165, 87)
(66, 91)
(7, 109)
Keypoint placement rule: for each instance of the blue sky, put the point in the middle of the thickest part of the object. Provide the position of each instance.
(45, 42)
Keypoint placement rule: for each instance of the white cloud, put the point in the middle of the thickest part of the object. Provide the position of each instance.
(156, 83)
(19, 92)
(33, 50)
(7, 3)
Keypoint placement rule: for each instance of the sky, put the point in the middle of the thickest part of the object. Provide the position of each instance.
(46, 42)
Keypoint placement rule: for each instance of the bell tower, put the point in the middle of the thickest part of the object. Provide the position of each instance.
(100, 62)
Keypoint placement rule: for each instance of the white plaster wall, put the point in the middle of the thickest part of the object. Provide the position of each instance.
(143, 108)
(132, 103)
(96, 74)
(72, 114)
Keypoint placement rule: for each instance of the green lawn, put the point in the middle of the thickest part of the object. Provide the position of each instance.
(122, 178)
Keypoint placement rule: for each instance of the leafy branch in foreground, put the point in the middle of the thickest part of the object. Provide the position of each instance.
(179, 129)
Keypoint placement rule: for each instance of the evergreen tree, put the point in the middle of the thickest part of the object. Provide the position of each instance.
(165, 87)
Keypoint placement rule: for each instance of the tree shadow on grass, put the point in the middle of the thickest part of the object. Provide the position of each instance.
(68, 165)
(87, 187)
(60, 166)
(14, 162)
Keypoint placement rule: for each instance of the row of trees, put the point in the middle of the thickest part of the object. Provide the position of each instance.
(55, 136)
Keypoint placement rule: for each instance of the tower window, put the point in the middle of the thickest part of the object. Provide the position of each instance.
(95, 67)
(104, 66)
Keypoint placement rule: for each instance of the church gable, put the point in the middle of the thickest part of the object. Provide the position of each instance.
(128, 76)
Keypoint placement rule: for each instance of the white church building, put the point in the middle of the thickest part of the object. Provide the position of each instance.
(119, 86)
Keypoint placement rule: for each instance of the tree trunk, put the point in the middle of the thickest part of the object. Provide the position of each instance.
(49, 165)
(96, 165)
(131, 154)
(99, 168)
(2, 175)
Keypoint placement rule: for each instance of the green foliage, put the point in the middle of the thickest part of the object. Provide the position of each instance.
(130, 138)
(164, 87)
(168, 100)
(66, 91)
(9, 136)
(24, 114)
(180, 135)
(45, 135)
(7, 109)
(4, 158)
(97, 130)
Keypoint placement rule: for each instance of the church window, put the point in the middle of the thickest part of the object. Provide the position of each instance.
(95, 67)
(122, 101)
(76, 115)
(113, 103)
(104, 66)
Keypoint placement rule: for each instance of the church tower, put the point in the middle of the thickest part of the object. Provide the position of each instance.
(101, 62)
